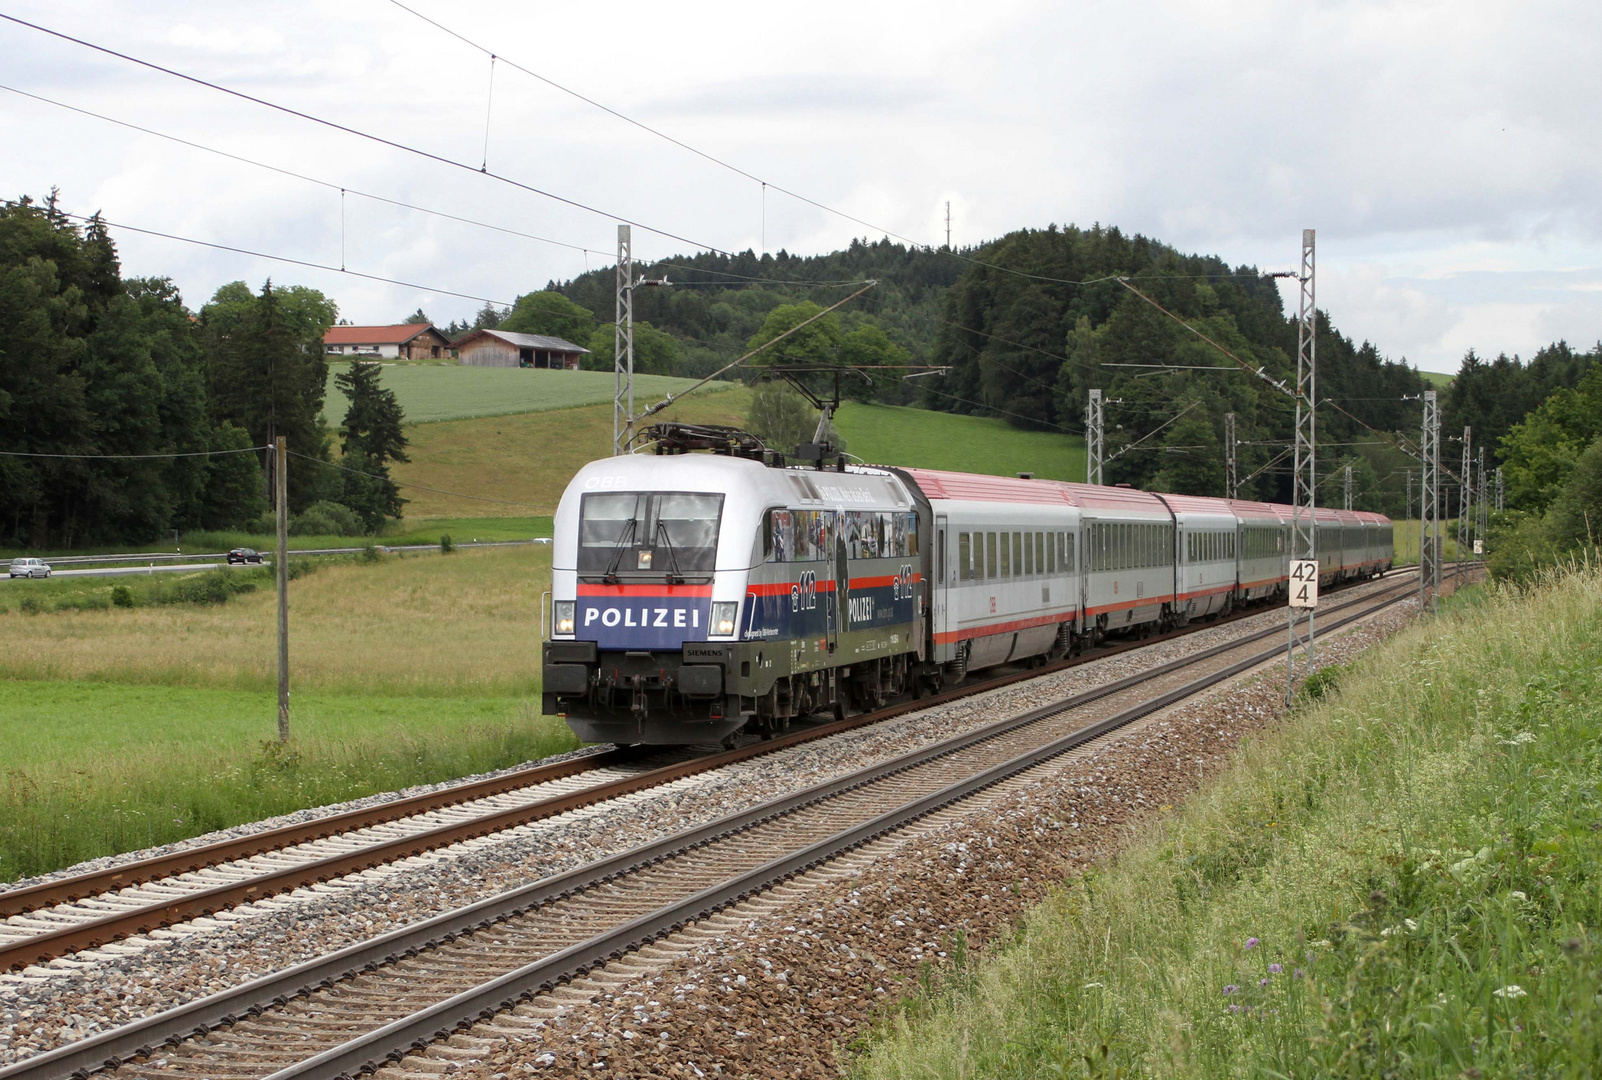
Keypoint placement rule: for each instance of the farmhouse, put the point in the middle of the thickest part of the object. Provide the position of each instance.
(408, 341)
(498, 348)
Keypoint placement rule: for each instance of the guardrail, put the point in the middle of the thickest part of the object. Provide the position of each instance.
(153, 557)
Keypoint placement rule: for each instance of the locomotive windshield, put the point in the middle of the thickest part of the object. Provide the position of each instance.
(630, 534)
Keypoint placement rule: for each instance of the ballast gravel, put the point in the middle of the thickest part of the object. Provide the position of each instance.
(785, 993)
(68, 999)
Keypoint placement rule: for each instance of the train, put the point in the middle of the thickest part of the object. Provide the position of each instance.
(714, 586)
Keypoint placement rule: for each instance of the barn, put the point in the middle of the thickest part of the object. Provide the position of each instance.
(500, 348)
(405, 341)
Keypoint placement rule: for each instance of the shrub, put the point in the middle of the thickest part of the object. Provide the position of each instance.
(445, 545)
(30, 605)
(122, 596)
(369, 554)
(326, 518)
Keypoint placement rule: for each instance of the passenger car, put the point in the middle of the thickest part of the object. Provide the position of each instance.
(245, 555)
(29, 568)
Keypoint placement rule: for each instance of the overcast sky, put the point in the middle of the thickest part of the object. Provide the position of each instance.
(1449, 154)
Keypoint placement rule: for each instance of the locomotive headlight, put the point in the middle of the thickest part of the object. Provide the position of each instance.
(723, 615)
(564, 618)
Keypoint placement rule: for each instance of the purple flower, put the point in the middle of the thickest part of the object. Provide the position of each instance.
(1251, 943)
(1298, 973)
(1231, 988)
(1275, 969)
(1234, 1008)
(1262, 982)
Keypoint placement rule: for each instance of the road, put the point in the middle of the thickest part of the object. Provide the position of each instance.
(155, 563)
(112, 571)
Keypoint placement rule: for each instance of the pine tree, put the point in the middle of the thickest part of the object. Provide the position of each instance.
(372, 436)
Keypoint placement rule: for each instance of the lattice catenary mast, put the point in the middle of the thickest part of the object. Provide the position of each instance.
(1482, 520)
(1304, 535)
(623, 345)
(1231, 485)
(1429, 524)
(1093, 440)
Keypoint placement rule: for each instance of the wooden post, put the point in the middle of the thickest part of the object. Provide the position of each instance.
(281, 478)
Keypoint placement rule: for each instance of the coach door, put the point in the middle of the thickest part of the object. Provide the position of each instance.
(943, 580)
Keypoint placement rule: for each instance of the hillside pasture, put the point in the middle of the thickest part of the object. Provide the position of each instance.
(921, 438)
(433, 392)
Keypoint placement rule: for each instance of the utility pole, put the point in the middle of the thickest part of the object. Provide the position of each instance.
(1348, 487)
(1304, 483)
(1499, 506)
(1093, 442)
(1230, 484)
(623, 345)
(1465, 492)
(281, 569)
(1429, 525)
(948, 224)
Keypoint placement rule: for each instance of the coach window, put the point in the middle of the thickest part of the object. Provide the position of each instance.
(991, 570)
(1006, 555)
(1017, 554)
(964, 554)
(1028, 555)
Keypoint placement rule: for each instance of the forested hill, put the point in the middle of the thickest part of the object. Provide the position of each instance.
(1030, 322)
(717, 302)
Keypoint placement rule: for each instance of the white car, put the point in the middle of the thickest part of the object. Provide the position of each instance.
(29, 568)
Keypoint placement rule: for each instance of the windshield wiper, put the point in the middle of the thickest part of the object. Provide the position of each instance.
(610, 577)
(676, 575)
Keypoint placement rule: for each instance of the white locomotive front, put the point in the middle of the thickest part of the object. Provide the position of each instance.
(697, 593)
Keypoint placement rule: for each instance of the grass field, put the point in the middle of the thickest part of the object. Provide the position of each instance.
(430, 392)
(1404, 879)
(890, 435)
(422, 625)
(129, 727)
(1440, 380)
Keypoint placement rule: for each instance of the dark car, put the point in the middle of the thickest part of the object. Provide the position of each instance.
(245, 555)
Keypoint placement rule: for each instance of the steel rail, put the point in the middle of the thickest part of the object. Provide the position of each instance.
(140, 1038)
(95, 932)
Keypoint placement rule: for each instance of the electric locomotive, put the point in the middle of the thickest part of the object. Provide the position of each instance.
(694, 594)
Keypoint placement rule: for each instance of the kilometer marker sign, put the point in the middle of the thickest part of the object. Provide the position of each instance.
(1304, 583)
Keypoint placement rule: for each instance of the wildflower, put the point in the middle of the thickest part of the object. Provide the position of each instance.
(1231, 988)
(1275, 969)
(1251, 943)
(1234, 1008)
(1299, 973)
(1515, 894)
(1263, 981)
(1091, 985)
(1410, 924)
(1510, 991)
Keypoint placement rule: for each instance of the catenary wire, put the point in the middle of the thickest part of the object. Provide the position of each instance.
(765, 184)
(136, 457)
(334, 125)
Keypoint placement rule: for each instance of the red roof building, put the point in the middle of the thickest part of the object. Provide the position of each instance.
(405, 341)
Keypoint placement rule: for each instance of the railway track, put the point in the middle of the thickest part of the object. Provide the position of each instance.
(68, 915)
(350, 1011)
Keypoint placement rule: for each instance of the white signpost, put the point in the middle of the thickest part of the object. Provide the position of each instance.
(1479, 547)
(1304, 583)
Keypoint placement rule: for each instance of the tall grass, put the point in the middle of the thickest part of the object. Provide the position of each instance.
(57, 813)
(1404, 879)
